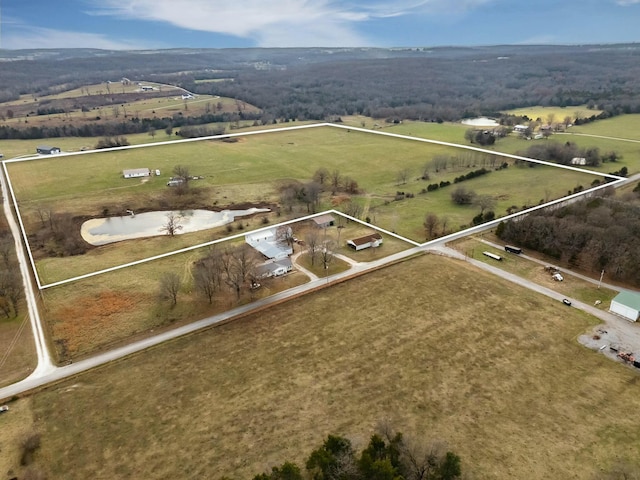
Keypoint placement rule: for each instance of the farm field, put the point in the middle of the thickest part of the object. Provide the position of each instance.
(99, 312)
(250, 171)
(18, 357)
(496, 373)
(622, 126)
(559, 113)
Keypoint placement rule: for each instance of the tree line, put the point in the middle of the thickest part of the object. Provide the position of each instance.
(595, 234)
(389, 455)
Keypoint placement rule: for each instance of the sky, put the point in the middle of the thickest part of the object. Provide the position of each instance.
(159, 24)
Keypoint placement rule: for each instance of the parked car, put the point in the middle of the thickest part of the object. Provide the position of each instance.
(566, 301)
(4, 408)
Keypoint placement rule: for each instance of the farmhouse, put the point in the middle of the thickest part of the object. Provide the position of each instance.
(47, 150)
(274, 268)
(266, 242)
(324, 221)
(373, 240)
(627, 305)
(578, 161)
(136, 172)
(520, 128)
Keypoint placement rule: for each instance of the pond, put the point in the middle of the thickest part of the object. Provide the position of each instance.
(101, 231)
(480, 122)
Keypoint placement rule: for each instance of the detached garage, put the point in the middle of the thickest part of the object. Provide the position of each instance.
(627, 305)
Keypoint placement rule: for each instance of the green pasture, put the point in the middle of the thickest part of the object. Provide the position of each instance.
(622, 126)
(251, 169)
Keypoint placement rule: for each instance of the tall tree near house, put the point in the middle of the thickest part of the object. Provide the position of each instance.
(312, 240)
(170, 286)
(326, 253)
(207, 275)
(182, 173)
(239, 265)
(284, 235)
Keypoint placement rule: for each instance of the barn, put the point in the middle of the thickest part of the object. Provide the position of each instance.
(47, 150)
(136, 172)
(266, 242)
(627, 305)
(373, 240)
(324, 221)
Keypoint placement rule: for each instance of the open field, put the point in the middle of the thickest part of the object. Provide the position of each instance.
(497, 373)
(622, 126)
(559, 113)
(251, 169)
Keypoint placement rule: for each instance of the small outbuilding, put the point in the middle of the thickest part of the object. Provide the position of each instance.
(136, 173)
(373, 240)
(47, 150)
(324, 221)
(627, 305)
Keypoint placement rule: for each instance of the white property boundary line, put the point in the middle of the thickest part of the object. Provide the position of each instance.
(468, 231)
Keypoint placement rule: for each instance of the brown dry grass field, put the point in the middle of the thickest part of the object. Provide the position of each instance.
(18, 356)
(441, 349)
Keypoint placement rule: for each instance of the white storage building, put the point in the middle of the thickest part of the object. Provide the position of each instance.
(627, 305)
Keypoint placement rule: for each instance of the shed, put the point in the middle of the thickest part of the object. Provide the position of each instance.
(136, 172)
(520, 128)
(324, 221)
(627, 305)
(266, 242)
(47, 150)
(373, 240)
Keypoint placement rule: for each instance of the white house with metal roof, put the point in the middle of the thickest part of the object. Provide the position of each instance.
(627, 305)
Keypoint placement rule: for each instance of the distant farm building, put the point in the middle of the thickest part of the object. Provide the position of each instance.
(324, 221)
(47, 150)
(146, 88)
(520, 128)
(275, 268)
(627, 305)
(266, 242)
(578, 161)
(373, 240)
(136, 172)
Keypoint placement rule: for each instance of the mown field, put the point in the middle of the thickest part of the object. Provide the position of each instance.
(558, 113)
(252, 169)
(497, 373)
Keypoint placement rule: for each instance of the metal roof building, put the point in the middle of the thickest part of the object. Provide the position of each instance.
(627, 305)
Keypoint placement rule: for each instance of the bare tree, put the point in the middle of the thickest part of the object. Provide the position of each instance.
(284, 235)
(335, 181)
(311, 196)
(321, 176)
(312, 239)
(239, 265)
(485, 202)
(326, 252)
(172, 225)
(170, 286)
(431, 222)
(402, 176)
(180, 172)
(207, 275)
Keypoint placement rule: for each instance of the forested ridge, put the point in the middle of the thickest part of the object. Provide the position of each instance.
(416, 83)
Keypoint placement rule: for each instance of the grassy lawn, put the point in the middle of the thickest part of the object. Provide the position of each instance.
(622, 126)
(504, 383)
(571, 286)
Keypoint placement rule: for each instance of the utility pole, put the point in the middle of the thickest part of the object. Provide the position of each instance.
(601, 275)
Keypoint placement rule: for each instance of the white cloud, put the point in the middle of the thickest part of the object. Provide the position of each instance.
(626, 3)
(277, 22)
(26, 37)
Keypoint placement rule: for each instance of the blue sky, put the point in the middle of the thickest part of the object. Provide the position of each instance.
(151, 24)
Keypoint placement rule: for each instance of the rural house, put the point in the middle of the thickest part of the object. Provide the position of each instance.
(274, 268)
(627, 305)
(324, 221)
(47, 150)
(373, 240)
(136, 172)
